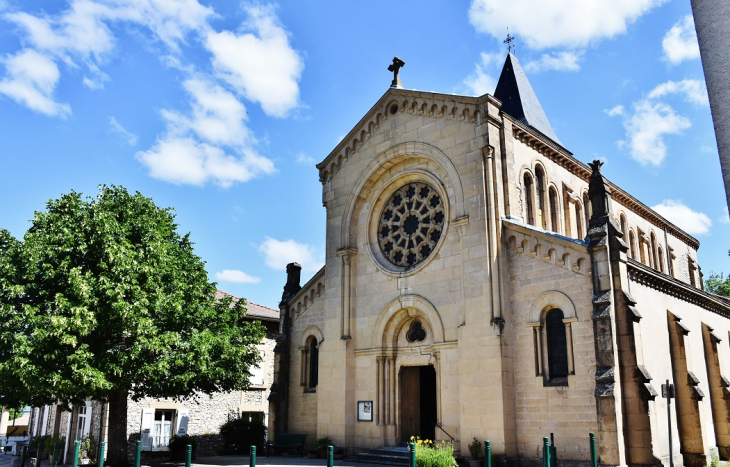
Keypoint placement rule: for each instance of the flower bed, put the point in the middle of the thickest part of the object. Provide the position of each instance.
(429, 454)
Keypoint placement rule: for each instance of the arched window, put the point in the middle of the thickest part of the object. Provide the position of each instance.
(660, 259)
(554, 223)
(622, 221)
(313, 363)
(557, 344)
(310, 364)
(529, 208)
(541, 211)
(653, 254)
(632, 244)
(579, 221)
(587, 208)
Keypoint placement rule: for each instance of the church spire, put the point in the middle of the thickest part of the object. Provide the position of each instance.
(519, 100)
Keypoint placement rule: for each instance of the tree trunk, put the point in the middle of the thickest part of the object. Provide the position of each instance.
(117, 441)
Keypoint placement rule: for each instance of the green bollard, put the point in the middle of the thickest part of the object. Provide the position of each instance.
(546, 452)
(23, 454)
(553, 452)
(54, 461)
(412, 454)
(102, 447)
(330, 456)
(594, 459)
(137, 454)
(252, 461)
(77, 447)
(188, 455)
(487, 454)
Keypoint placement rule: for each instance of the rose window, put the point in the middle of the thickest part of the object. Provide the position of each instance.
(411, 224)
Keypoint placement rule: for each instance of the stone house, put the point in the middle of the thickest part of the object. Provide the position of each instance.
(481, 281)
(155, 421)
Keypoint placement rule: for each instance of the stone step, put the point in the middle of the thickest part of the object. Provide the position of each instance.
(386, 456)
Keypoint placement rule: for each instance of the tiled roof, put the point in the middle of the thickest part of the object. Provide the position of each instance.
(253, 310)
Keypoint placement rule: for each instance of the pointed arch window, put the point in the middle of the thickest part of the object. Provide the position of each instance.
(632, 244)
(660, 259)
(529, 208)
(557, 344)
(579, 221)
(653, 254)
(586, 208)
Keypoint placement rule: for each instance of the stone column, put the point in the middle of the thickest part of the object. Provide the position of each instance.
(569, 342)
(379, 404)
(392, 394)
(346, 254)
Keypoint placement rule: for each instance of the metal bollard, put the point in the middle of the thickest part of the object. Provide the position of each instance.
(102, 447)
(252, 461)
(594, 459)
(188, 455)
(412, 454)
(487, 454)
(553, 452)
(77, 446)
(137, 454)
(330, 456)
(546, 452)
(54, 461)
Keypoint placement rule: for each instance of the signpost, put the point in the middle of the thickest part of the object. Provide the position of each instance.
(668, 394)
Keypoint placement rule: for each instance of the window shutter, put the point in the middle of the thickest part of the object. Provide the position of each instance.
(181, 423)
(257, 372)
(147, 416)
(87, 424)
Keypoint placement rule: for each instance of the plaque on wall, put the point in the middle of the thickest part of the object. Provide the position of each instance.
(364, 411)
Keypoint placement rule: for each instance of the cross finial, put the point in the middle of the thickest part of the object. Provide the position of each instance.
(395, 68)
(510, 39)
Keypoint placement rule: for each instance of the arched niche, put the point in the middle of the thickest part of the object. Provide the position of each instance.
(549, 300)
(401, 311)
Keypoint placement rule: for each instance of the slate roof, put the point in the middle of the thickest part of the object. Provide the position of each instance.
(519, 99)
(253, 310)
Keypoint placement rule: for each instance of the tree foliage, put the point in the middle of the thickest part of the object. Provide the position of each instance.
(718, 284)
(103, 299)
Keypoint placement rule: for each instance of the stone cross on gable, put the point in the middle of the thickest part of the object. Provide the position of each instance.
(395, 68)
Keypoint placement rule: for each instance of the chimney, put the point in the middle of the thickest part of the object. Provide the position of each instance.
(293, 276)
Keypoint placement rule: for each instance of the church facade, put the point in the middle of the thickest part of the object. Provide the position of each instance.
(481, 281)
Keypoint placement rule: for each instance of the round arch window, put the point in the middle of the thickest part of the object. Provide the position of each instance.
(411, 224)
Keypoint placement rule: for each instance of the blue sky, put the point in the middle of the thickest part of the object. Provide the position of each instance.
(220, 109)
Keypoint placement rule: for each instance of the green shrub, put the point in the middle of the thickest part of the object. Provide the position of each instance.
(429, 454)
(239, 434)
(178, 447)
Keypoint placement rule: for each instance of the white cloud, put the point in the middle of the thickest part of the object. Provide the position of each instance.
(31, 80)
(646, 128)
(212, 143)
(558, 23)
(305, 159)
(128, 136)
(235, 276)
(617, 110)
(680, 42)
(559, 61)
(725, 218)
(260, 64)
(693, 90)
(277, 254)
(480, 82)
(693, 222)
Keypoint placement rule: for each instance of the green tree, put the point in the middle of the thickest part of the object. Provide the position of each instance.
(718, 284)
(103, 299)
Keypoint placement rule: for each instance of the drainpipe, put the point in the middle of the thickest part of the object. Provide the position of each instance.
(492, 237)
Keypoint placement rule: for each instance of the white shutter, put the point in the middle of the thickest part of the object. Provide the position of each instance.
(181, 423)
(148, 415)
(257, 372)
(87, 424)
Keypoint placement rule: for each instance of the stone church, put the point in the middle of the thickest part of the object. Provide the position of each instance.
(482, 281)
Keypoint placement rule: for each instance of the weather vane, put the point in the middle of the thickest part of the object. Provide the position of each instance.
(510, 39)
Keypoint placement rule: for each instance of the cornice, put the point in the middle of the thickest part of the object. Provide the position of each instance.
(437, 105)
(643, 274)
(565, 159)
